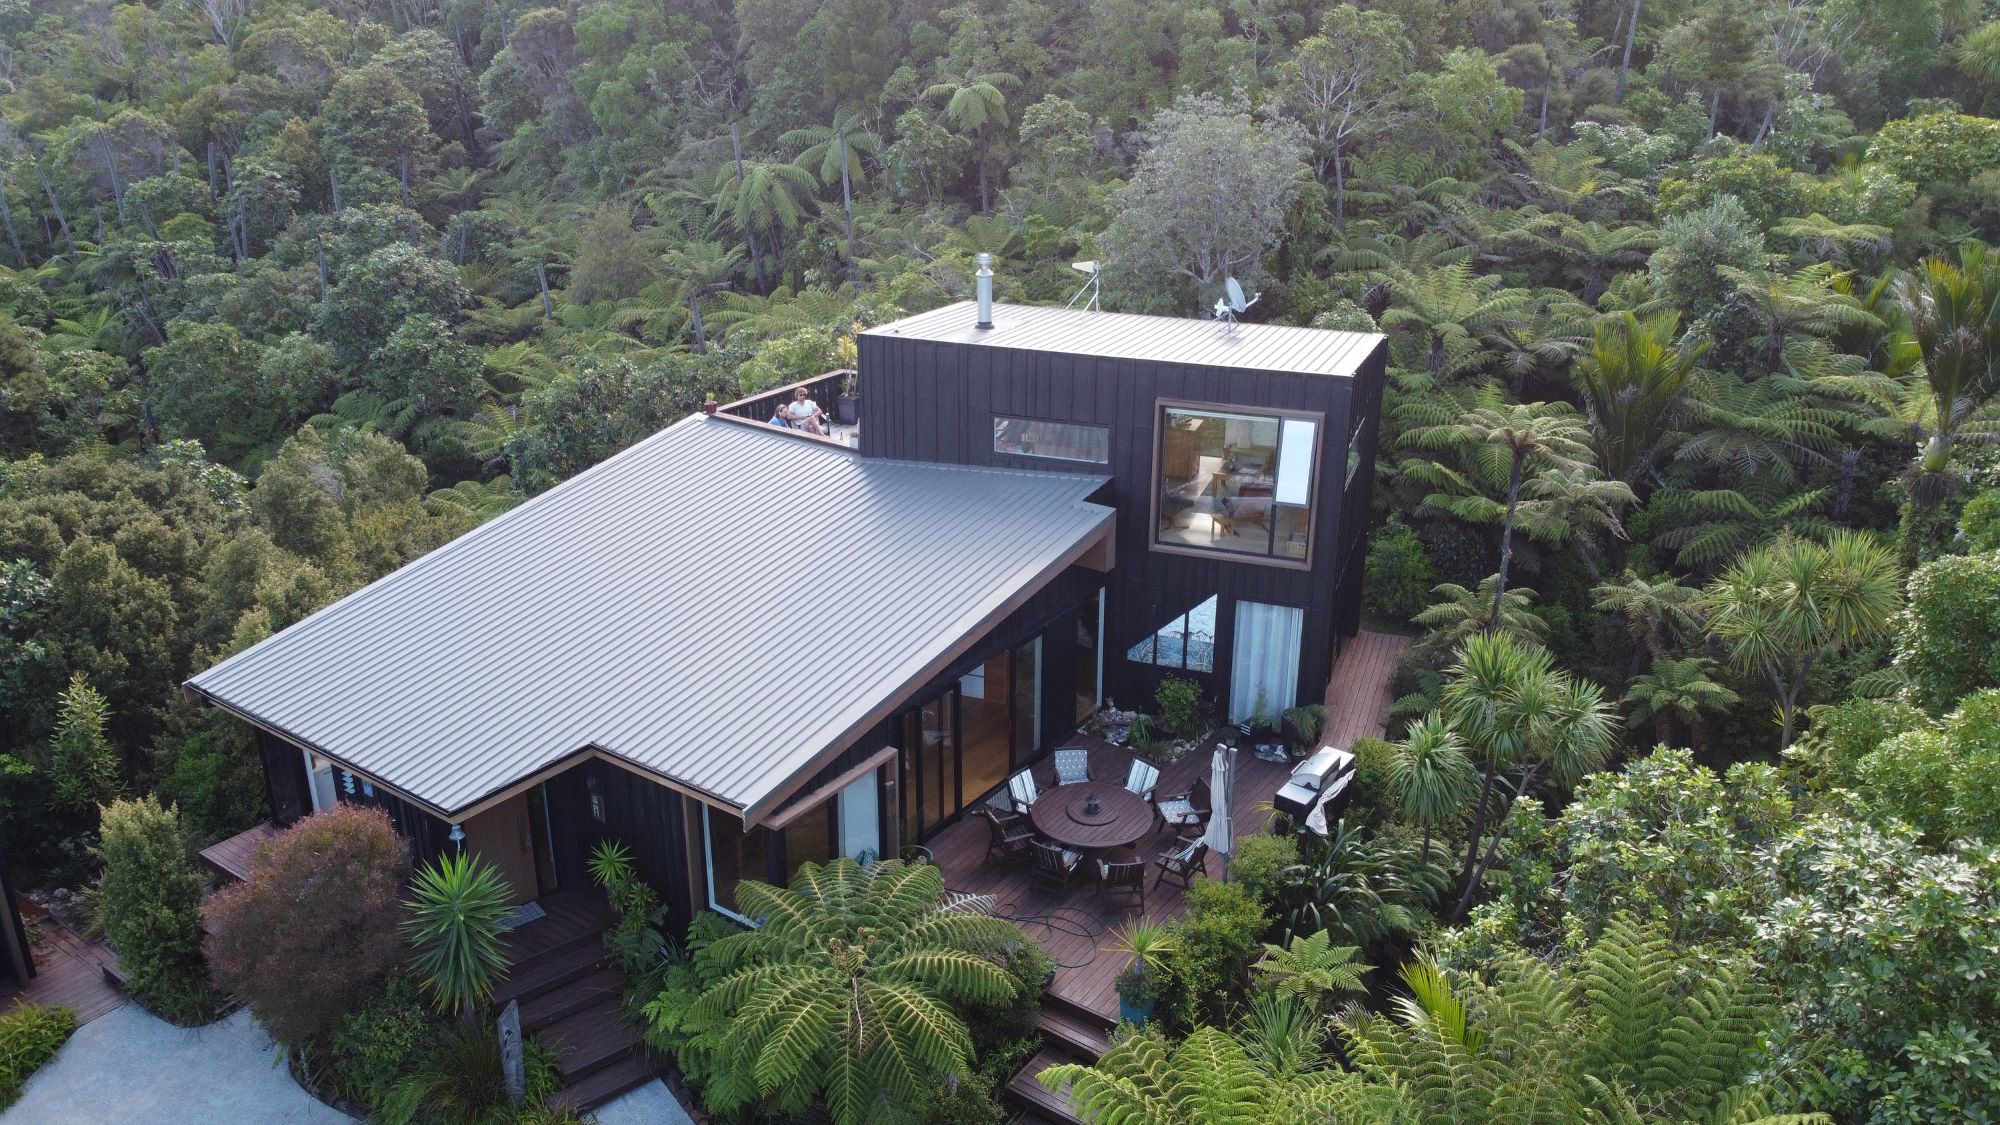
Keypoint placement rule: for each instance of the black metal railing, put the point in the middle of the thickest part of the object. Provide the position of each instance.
(836, 392)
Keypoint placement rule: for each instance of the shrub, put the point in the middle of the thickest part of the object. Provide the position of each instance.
(149, 902)
(306, 937)
(1938, 149)
(1374, 775)
(1214, 946)
(454, 926)
(460, 1081)
(377, 1041)
(1979, 523)
(30, 1035)
(634, 942)
(82, 762)
(1397, 574)
(1949, 644)
(1256, 864)
(1179, 700)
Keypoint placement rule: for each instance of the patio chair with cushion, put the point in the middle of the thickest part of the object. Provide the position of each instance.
(1141, 778)
(1188, 810)
(1021, 790)
(1008, 834)
(1055, 865)
(1182, 862)
(1072, 766)
(1122, 879)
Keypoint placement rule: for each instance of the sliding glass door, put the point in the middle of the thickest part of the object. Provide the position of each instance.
(962, 744)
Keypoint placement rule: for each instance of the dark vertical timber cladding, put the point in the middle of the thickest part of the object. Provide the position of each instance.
(287, 790)
(429, 836)
(935, 401)
(647, 817)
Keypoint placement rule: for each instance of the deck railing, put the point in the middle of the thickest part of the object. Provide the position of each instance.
(822, 389)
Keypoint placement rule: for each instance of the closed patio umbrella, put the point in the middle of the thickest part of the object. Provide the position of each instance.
(1222, 786)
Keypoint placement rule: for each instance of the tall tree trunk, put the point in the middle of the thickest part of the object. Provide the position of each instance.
(749, 235)
(1478, 828)
(1548, 79)
(1631, 33)
(1492, 853)
(56, 205)
(13, 235)
(847, 204)
(1507, 535)
(333, 182)
(542, 280)
(1339, 188)
(1714, 111)
(694, 310)
(320, 248)
(985, 208)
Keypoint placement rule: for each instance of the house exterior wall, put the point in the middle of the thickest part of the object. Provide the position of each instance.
(936, 401)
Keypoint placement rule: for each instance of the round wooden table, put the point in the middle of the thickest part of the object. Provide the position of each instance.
(1063, 814)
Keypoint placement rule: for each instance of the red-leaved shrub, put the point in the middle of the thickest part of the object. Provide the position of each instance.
(309, 934)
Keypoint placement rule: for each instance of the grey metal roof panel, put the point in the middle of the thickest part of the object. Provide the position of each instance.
(1164, 339)
(719, 604)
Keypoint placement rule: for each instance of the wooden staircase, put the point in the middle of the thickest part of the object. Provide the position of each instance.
(572, 1000)
(1071, 1034)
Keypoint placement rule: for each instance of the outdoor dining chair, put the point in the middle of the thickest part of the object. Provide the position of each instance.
(1182, 862)
(1007, 836)
(1141, 778)
(1189, 810)
(1054, 865)
(1072, 766)
(1122, 879)
(1021, 790)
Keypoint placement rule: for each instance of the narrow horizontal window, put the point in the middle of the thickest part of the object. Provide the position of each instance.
(1057, 441)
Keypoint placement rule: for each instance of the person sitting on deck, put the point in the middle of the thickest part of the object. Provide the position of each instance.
(806, 414)
(781, 414)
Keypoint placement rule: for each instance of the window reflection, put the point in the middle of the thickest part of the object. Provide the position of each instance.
(1236, 481)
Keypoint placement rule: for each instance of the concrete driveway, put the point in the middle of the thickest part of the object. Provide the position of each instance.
(136, 1069)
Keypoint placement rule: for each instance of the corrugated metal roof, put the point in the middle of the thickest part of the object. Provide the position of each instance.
(1166, 339)
(719, 604)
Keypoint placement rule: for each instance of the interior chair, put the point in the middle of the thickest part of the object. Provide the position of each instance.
(1182, 862)
(1122, 879)
(1055, 865)
(1141, 778)
(1072, 766)
(1021, 790)
(1008, 836)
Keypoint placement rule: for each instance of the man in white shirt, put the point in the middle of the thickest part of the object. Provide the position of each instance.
(806, 414)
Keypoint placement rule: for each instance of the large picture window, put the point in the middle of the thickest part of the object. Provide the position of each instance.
(1236, 481)
(1188, 641)
(1057, 441)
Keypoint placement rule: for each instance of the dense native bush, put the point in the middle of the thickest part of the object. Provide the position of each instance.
(311, 932)
(1397, 580)
(30, 1035)
(1949, 643)
(379, 1041)
(1942, 781)
(149, 902)
(1214, 945)
(1257, 862)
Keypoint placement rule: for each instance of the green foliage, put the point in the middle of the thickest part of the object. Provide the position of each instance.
(459, 1080)
(635, 941)
(1938, 150)
(1256, 864)
(30, 1035)
(1948, 645)
(82, 762)
(312, 930)
(1180, 703)
(1944, 782)
(1212, 948)
(377, 1042)
(1208, 1077)
(1397, 575)
(853, 993)
(149, 903)
(1374, 790)
(452, 923)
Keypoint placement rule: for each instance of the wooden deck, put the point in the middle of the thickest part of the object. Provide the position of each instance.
(1076, 926)
(1360, 692)
(232, 857)
(69, 971)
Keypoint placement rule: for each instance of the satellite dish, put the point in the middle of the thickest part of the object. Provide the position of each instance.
(1233, 303)
(1090, 288)
(1084, 267)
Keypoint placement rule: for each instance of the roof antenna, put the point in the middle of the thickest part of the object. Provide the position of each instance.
(1096, 272)
(985, 277)
(1232, 304)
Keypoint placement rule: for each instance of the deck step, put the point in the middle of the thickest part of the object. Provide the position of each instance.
(1026, 1093)
(591, 1039)
(1077, 1013)
(628, 1073)
(1084, 1039)
(541, 973)
(545, 1008)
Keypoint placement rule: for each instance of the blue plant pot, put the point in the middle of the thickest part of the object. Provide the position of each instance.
(1135, 1015)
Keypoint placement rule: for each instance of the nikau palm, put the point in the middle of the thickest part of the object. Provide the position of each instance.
(849, 990)
(1953, 311)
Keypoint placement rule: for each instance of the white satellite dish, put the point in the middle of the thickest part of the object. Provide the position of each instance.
(1090, 288)
(1084, 267)
(1233, 303)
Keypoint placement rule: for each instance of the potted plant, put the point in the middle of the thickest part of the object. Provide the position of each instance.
(1303, 726)
(1139, 985)
(848, 405)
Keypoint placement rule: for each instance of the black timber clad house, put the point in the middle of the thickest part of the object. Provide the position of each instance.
(1058, 509)
(939, 388)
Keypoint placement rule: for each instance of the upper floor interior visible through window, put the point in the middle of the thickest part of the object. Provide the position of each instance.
(1237, 481)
